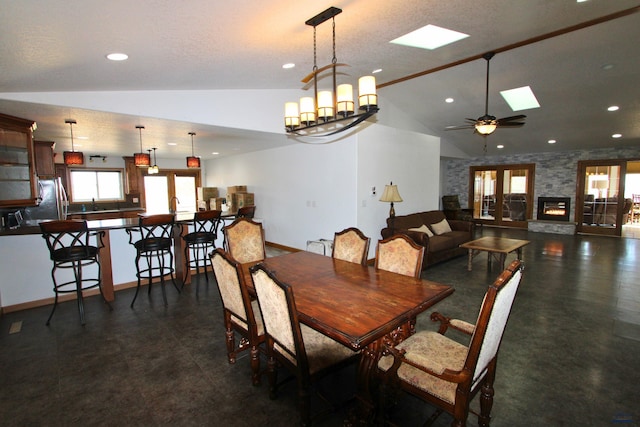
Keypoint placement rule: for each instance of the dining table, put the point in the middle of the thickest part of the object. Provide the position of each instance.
(359, 306)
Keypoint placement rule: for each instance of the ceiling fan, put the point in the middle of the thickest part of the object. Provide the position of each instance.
(485, 125)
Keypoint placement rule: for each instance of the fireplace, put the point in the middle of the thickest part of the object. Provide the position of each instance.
(554, 208)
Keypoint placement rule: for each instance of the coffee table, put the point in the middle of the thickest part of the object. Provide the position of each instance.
(496, 247)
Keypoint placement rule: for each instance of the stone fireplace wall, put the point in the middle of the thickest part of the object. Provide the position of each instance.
(555, 174)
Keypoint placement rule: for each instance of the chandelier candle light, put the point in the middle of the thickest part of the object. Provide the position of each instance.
(192, 160)
(72, 157)
(141, 159)
(330, 107)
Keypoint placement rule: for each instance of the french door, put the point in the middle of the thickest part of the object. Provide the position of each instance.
(171, 190)
(502, 194)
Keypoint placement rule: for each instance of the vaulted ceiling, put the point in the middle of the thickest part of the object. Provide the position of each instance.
(578, 57)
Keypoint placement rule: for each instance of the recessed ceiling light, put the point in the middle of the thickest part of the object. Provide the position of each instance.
(376, 71)
(117, 56)
(521, 98)
(82, 137)
(615, 135)
(581, 1)
(215, 153)
(607, 67)
(551, 141)
(289, 65)
(500, 146)
(429, 37)
(613, 108)
(172, 143)
(448, 100)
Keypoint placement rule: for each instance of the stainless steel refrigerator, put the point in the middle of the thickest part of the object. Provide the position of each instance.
(53, 201)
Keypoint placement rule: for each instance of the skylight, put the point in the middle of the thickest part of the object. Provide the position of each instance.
(429, 37)
(521, 98)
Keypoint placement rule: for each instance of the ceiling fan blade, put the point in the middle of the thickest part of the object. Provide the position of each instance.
(510, 124)
(471, 120)
(470, 126)
(512, 118)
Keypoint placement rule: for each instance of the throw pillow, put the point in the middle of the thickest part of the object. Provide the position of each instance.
(423, 229)
(441, 227)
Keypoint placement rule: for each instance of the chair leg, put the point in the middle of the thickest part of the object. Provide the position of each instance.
(273, 377)
(162, 285)
(55, 291)
(77, 272)
(139, 279)
(486, 396)
(255, 365)
(304, 403)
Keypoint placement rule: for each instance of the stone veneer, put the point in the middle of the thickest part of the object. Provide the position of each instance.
(555, 172)
(555, 227)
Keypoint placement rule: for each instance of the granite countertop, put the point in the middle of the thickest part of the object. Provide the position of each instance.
(103, 211)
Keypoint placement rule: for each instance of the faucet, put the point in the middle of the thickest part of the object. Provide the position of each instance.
(175, 206)
(94, 207)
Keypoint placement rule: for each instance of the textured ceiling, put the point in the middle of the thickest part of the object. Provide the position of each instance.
(49, 46)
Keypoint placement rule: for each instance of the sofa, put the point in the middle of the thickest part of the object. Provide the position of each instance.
(439, 243)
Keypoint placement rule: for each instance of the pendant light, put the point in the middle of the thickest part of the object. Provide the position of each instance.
(153, 169)
(141, 159)
(192, 160)
(72, 158)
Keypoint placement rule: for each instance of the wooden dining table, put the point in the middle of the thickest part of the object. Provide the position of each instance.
(358, 306)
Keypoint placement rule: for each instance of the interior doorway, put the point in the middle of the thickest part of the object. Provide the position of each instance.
(171, 190)
(631, 228)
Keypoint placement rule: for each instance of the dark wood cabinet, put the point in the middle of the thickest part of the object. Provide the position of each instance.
(43, 151)
(133, 176)
(18, 183)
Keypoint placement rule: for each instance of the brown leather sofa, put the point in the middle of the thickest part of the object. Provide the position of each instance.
(437, 247)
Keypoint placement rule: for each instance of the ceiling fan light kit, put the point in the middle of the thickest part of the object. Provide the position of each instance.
(311, 115)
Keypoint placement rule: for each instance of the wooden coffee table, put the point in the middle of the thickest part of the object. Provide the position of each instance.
(496, 247)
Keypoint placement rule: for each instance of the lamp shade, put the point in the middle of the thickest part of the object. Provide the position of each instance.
(193, 162)
(142, 159)
(390, 194)
(345, 100)
(73, 158)
(486, 128)
(325, 104)
(307, 110)
(367, 96)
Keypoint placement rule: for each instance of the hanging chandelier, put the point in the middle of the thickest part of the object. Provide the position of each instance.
(192, 160)
(153, 169)
(330, 112)
(72, 158)
(142, 159)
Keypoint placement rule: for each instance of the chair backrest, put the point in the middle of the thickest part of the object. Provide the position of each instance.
(68, 236)
(153, 231)
(399, 254)
(206, 221)
(351, 245)
(246, 212)
(280, 316)
(245, 240)
(492, 320)
(233, 291)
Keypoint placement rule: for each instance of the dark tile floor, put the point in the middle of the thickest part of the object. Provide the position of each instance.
(570, 355)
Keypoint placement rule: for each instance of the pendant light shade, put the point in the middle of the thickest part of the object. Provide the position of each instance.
(153, 169)
(72, 158)
(141, 159)
(192, 160)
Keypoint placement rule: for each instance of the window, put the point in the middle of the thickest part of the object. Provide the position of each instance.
(97, 184)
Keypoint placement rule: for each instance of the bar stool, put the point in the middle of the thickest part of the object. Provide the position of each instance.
(203, 238)
(69, 248)
(155, 246)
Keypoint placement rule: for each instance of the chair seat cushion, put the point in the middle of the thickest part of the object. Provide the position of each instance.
(435, 352)
(153, 244)
(199, 237)
(74, 253)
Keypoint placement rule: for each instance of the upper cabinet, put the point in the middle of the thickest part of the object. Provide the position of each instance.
(18, 182)
(43, 151)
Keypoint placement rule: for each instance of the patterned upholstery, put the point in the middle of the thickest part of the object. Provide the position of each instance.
(240, 313)
(351, 245)
(399, 254)
(245, 240)
(436, 368)
(304, 351)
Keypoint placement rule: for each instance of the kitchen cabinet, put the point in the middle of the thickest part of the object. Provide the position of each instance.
(43, 152)
(62, 173)
(133, 176)
(18, 182)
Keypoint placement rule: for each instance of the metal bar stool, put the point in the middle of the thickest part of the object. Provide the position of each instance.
(155, 246)
(69, 248)
(201, 240)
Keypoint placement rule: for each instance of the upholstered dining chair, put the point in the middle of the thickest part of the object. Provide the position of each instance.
(305, 352)
(399, 254)
(351, 245)
(448, 374)
(244, 240)
(241, 314)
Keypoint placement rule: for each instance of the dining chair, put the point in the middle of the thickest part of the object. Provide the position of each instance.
(153, 241)
(446, 373)
(399, 254)
(351, 245)
(305, 352)
(241, 314)
(201, 240)
(69, 247)
(244, 240)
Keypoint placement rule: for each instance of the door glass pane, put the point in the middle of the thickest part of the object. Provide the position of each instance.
(484, 194)
(186, 193)
(601, 195)
(157, 194)
(514, 194)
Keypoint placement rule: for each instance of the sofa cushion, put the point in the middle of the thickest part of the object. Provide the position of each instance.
(458, 237)
(441, 243)
(423, 229)
(441, 227)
